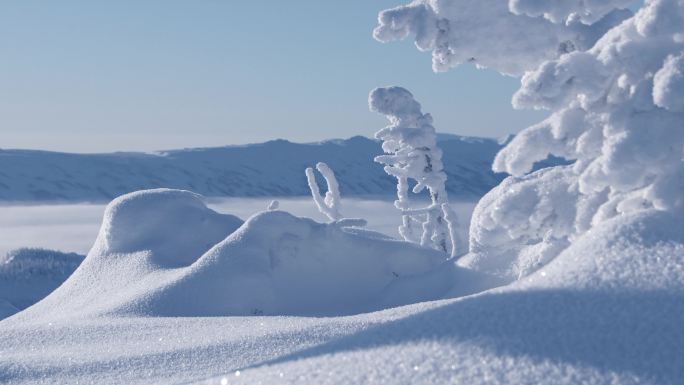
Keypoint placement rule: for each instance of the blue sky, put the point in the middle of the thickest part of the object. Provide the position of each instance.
(92, 76)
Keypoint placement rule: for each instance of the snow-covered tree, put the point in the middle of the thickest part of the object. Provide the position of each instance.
(411, 153)
(507, 37)
(617, 110)
(614, 83)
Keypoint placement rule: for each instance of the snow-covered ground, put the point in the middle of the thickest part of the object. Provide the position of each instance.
(573, 274)
(73, 227)
(607, 310)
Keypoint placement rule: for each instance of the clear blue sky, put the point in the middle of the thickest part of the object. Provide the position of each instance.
(96, 75)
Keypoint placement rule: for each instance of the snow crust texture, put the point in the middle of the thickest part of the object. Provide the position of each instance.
(607, 310)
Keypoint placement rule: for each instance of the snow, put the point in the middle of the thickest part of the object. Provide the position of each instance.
(73, 227)
(587, 11)
(271, 169)
(330, 205)
(7, 309)
(614, 319)
(518, 227)
(487, 34)
(412, 156)
(28, 275)
(668, 84)
(615, 111)
(174, 226)
(614, 89)
(575, 273)
(164, 253)
(607, 310)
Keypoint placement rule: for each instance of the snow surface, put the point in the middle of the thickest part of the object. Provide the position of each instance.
(270, 169)
(28, 275)
(607, 310)
(51, 226)
(575, 276)
(164, 253)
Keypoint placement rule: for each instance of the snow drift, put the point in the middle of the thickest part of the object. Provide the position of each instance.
(607, 310)
(28, 275)
(163, 253)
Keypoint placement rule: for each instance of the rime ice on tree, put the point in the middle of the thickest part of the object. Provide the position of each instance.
(330, 205)
(616, 111)
(412, 154)
(614, 83)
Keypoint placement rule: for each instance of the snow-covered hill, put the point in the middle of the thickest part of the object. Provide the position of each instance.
(607, 310)
(274, 168)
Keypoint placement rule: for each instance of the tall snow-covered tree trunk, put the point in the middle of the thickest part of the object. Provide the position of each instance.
(411, 153)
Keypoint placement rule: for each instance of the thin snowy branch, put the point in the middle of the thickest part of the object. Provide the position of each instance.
(330, 205)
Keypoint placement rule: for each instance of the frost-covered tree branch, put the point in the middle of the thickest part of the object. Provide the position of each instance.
(586, 11)
(487, 34)
(617, 111)
(411, 153)
(330, 205)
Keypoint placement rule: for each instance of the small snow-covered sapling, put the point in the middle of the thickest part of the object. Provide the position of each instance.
(330, 205)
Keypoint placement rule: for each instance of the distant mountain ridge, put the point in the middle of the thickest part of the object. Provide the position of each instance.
(274, 168)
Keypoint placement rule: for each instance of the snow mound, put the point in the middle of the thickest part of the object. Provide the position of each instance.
(277, 263)
(174, 226)
(607, 310)
(163, 253)
(637, 252)
(28, 275)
